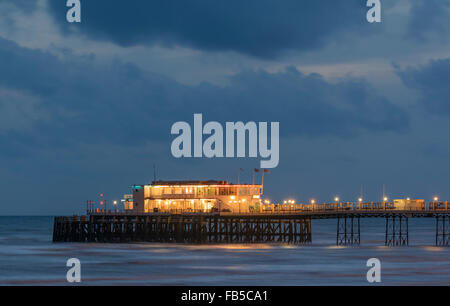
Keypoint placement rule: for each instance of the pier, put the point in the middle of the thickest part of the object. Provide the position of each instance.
(185, 228)
(268, 226)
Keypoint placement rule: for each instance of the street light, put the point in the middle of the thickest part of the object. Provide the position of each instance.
(360, 200)
(385, 199)
(313, 201)
(336, 199)
(435, 204)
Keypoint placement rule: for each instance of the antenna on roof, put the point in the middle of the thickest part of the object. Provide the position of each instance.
(239, 175)
(154, 172)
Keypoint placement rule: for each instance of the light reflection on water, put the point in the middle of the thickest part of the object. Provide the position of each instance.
(28, 257)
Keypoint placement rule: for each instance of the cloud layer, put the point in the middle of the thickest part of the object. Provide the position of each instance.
(431, 82)
(83, 101)
(85, 110)
(262, 28)
(429, 17)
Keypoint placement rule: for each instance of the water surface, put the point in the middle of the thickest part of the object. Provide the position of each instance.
(28, 257)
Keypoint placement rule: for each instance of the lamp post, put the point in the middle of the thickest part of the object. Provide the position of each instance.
(435, 203)
(101, 202)
(262, 181)
(312, 204)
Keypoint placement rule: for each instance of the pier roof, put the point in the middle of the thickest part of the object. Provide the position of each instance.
(191, 183)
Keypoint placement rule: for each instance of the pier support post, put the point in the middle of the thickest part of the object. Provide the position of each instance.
(182, 228)
(442, 230)
(397, 230)
(348, 230)
(56, 229)
(302, 231)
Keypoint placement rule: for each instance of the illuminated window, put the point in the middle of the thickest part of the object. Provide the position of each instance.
(211, 191)
(156, 191)
(243, 191)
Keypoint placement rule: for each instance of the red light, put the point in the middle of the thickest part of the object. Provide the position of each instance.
(101, 202)
(101, 194)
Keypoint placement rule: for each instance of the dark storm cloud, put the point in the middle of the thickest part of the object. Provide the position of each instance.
(305, 105)
(88, 102)
(429, 17)
(8, 7)
(431, 81)
(25, 5)
(257, 27)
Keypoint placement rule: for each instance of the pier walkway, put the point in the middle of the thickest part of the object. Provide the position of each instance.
(282, 225)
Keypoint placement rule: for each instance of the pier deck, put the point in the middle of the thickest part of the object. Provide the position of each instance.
(263, 227)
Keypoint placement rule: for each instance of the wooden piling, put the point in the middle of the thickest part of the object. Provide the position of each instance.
(182, 229)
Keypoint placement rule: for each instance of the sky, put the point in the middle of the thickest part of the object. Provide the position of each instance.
(86, 108)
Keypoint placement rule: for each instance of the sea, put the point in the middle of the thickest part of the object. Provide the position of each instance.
(29, 257)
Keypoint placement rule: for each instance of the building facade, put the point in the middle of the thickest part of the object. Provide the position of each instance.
(409, 204)
(196, 196)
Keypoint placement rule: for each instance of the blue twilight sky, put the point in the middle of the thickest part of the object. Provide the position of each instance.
(87, 108)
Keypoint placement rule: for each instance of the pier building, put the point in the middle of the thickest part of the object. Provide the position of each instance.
(196, 196)
(409, 204)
